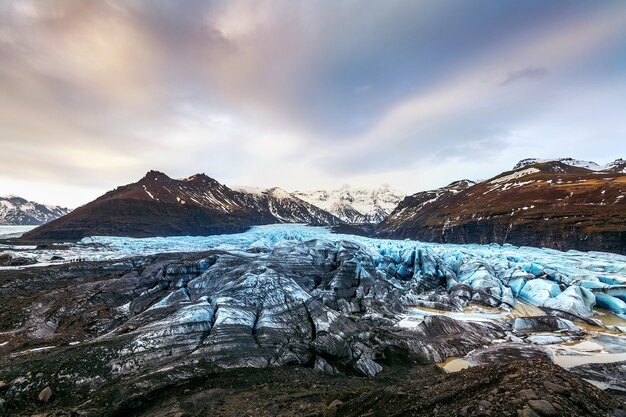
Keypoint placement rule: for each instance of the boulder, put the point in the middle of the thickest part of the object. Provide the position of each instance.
(368, 367)
(543, 407)
(45, 394)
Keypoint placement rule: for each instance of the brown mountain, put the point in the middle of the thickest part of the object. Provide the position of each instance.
(560, 204)
(158, 205)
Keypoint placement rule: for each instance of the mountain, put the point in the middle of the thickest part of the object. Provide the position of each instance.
(287, 208)
(158, 205)
(617, 166)
(355, 205)
(19, 211)
(562, 204)
(567, 161)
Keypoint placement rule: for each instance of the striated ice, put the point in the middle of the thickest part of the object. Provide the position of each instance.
(610, 303)
(539, 291)
(575, 300)
(486, 274)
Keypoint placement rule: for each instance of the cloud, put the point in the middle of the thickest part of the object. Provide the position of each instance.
(297, 94)
(530, 73)
(363, 89)
(446, 116)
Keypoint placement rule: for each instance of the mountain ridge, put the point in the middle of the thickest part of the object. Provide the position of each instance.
(561, 203)
(354, 204)
(197, 205)
(552, 204)
(18, 211)
(591, 165)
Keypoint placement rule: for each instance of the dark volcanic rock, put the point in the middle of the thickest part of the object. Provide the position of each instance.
(8, 260)
(542, 324)
(465, 393)
(611, 375)
(549, 204)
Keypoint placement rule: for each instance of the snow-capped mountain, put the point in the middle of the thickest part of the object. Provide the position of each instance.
(158, 205)
(412, 205)
(593, 166)
(562, 204)
(287, 208)
(617, 166)
(355, 205)
(19, 211)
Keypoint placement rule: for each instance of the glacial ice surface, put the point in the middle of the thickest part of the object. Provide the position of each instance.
(573, 282)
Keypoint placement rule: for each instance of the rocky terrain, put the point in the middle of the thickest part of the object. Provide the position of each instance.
(562, 204)
(355, 205)
(295, 321)
(158, 205)
(19, 211)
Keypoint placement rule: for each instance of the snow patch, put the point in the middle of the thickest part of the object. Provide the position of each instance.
(515, 175)
(148, 192)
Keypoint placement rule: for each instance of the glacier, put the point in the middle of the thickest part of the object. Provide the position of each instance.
(294, 295)
(571, 282)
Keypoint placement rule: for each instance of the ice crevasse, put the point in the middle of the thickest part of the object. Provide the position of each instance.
(496, 275)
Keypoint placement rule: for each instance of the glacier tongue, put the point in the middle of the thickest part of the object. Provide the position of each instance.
(271, 297)
(491, 275)
(298, 295)
(448, 276)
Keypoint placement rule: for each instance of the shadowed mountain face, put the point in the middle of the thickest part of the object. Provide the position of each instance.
(550, 204)
(158, 205)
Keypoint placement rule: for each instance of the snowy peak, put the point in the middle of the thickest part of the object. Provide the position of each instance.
(458, 186)
(348, 213)
(577, 163)
(618, 166)
(346, 204)
(355, 205)
(279, 193)
(202, 190)
(288, 208)
(15, 210)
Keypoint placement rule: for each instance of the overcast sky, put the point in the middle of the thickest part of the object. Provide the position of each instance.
(303, 94)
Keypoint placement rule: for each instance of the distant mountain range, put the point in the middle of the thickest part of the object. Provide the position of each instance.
(19, 211)
(355, 205)
(562, 204)
(619, 165)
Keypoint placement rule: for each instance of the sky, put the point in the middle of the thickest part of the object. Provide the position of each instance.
(303, 94)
